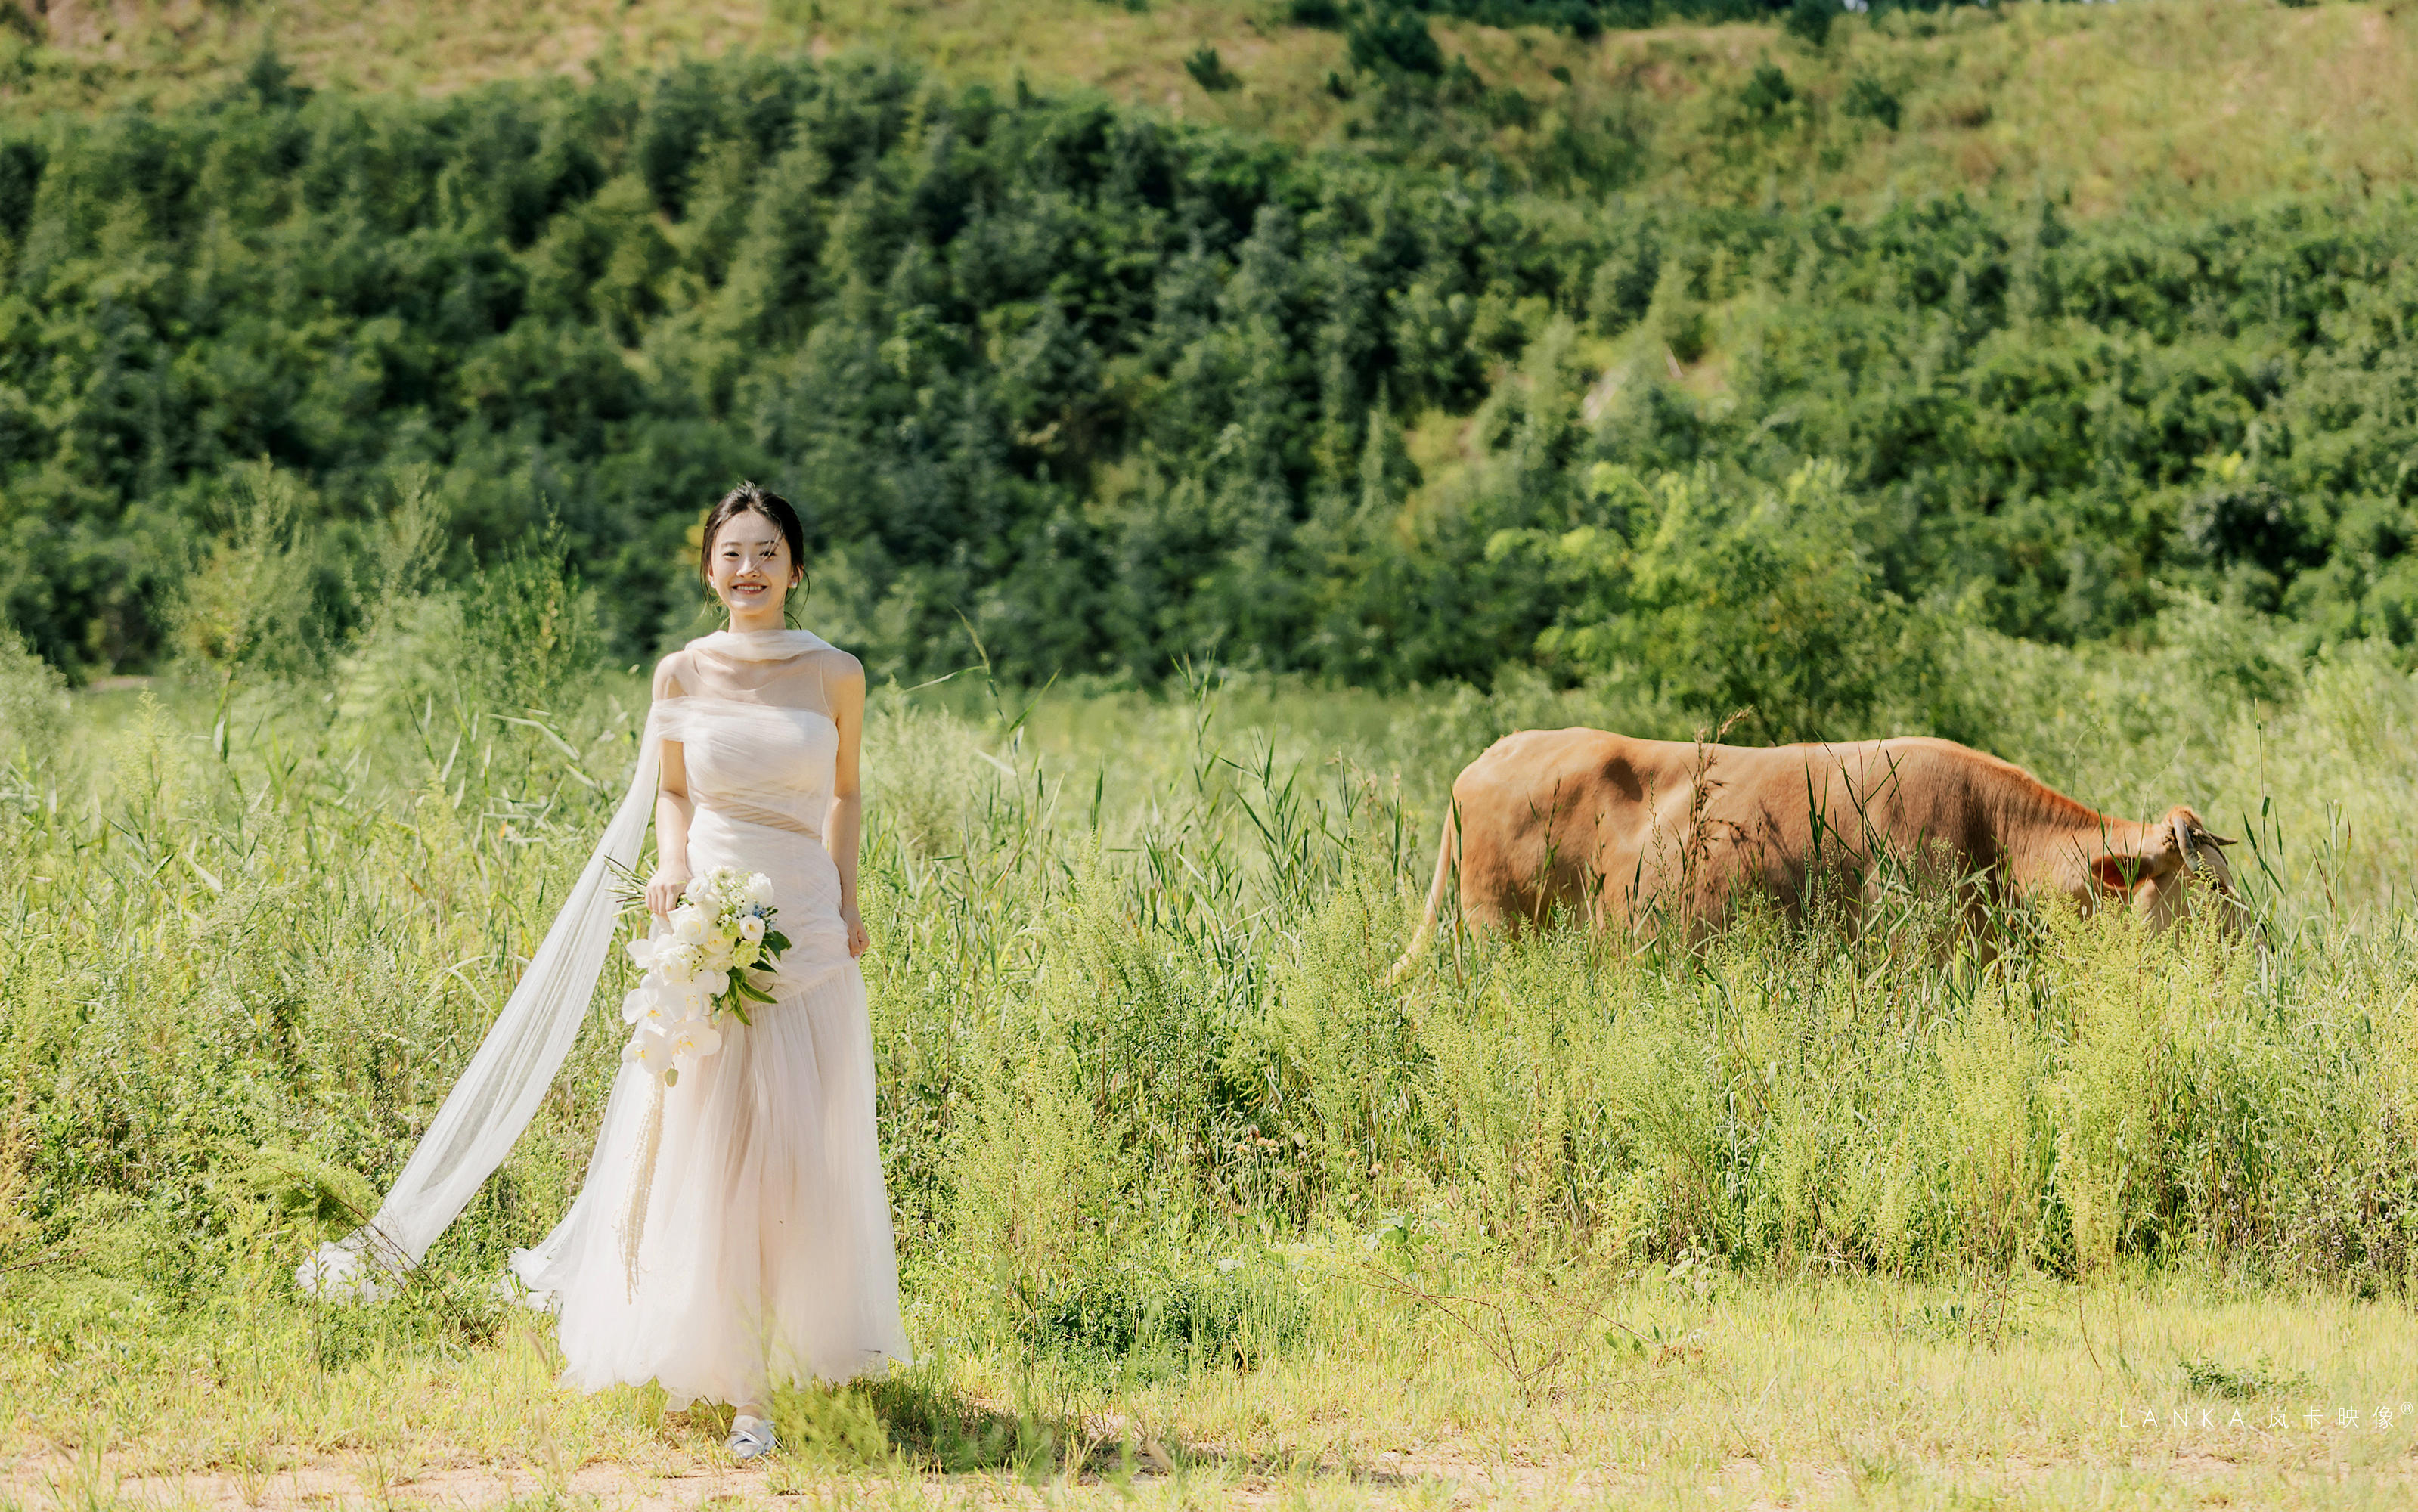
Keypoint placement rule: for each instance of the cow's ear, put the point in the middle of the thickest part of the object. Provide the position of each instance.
(2113, 874)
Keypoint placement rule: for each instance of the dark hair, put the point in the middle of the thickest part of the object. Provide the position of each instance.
(749, 499)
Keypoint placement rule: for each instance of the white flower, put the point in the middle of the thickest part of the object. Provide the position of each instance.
(648, 1050)
(649, 1008)
(718, 930)
(692, 1041)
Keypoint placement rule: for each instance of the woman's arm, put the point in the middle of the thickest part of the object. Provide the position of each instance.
(672, 810)
(844, 826)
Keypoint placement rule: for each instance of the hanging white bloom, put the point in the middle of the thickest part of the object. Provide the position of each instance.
(648, 1051)
(692, 1041)
(636, 1003)
(659, 1011)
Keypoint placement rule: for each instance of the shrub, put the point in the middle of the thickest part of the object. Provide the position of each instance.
(1867, 99)
(33, 706)
(1210, 72)
(1809, 21)
(1763, 95)
(1399, 41)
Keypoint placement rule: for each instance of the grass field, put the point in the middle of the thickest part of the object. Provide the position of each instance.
(2201, 102)
(1190, 1206)
(1805, 1394)
(1194, 1207)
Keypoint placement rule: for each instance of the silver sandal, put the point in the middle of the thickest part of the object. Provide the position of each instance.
(751, 1438)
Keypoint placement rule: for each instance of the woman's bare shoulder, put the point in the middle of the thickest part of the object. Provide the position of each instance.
(668, 683)
(840, 666)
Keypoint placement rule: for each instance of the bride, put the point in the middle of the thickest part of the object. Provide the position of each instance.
(737, 1234)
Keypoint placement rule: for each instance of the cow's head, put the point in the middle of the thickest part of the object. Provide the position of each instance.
(2153, 871)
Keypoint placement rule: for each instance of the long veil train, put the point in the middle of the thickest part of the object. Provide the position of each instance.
(499, 1090)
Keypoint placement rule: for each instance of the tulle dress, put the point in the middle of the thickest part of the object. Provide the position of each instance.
(766, 1250)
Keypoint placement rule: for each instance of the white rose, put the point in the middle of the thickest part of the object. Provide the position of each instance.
(689, 926)
(676, 963)
(760, 890)
(751, 929)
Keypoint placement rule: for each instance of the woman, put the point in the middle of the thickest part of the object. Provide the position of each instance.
(733, 1230)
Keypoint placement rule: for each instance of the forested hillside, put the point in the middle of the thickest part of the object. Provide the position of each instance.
(1105, 389)
(2099, 107)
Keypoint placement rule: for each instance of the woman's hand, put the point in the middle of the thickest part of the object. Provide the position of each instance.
(664, 889)
(858, 941)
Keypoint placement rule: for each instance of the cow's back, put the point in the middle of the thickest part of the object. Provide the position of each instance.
(1614, 826)
(1546, 817)
(1781, 817)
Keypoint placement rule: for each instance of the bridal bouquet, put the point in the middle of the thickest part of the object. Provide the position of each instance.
(696, 964)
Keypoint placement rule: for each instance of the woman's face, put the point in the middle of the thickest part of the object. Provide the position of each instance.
(750, 570)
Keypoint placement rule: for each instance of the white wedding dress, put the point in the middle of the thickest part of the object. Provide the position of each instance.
(765, 1251)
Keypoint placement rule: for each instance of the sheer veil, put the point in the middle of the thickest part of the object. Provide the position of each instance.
(499, 1090)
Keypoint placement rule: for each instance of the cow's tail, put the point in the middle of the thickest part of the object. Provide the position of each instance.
(1447, 846)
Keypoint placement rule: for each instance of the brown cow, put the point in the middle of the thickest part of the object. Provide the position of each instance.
(1639, 833)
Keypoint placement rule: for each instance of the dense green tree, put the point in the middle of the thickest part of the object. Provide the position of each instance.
(1112, 393)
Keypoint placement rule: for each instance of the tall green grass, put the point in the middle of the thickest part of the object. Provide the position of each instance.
(1140, 1076)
